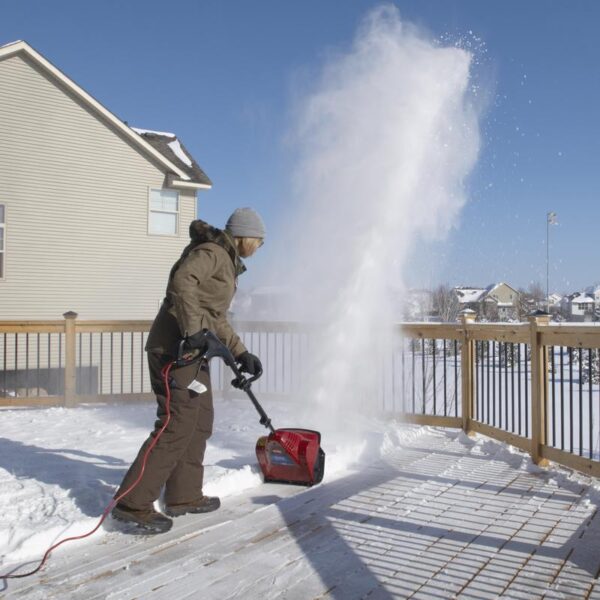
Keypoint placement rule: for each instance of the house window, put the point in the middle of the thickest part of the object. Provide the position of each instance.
(163, 217)
(2, 237)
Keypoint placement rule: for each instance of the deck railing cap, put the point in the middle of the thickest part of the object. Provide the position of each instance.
(467, 315)
(539, 317)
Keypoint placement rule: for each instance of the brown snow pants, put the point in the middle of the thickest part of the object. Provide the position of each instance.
(176, 460)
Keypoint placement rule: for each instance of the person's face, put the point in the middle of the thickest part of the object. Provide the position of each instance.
(249, 246)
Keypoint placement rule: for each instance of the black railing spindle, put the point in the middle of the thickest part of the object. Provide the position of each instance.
(478, 412)
(571, 429)
(591, 412)
(526, 394)
(101, 365)
(434, 342)
(562, 401)
(519, 387)
(90, 362)
(131, 371)
(445, 383)
(488, 379)
(37, 377)
(512, 385)
(414, 383)
(553, 395)
(423, 374)
(456, 378)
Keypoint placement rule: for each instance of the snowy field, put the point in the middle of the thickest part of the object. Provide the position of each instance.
(60, 467)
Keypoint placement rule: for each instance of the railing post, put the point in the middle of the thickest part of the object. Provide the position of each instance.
(466, 367)
(539, 379)
(70, 359)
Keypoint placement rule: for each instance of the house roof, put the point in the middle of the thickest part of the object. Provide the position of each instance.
(182, 175)
(170, 146)
(490, 288)
(581, 298)
(468, 295)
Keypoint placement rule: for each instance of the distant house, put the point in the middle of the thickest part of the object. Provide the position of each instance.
(594, 292)
(92, 212)
(578, 307)
(501, 299)
(498, 301)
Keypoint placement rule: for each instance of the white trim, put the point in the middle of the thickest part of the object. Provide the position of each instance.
(176, 183)
(17, 47)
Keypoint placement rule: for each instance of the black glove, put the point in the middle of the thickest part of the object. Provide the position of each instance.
(249, 363)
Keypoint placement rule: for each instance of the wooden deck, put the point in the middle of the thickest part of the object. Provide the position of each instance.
(444, 516)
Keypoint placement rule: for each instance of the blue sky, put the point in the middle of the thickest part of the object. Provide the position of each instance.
(223, 74)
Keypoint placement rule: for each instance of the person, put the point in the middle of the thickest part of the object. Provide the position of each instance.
(200, 289)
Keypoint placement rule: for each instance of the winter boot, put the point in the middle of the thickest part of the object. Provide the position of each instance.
(149, 520)
(204, 505)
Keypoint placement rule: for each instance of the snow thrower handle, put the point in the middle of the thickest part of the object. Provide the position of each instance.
(210, 346)
(216, 349)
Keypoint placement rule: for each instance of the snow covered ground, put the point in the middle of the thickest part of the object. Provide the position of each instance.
(60, 467)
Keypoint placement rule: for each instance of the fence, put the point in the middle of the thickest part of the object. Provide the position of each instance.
(533, 385)
(70, 361)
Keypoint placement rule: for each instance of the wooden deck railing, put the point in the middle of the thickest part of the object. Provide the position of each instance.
(533, 385)
(72, 361)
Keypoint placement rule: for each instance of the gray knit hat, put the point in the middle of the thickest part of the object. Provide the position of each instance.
(245, 222)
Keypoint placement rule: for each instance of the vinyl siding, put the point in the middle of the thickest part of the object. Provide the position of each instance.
(76, 197)
(503, 295)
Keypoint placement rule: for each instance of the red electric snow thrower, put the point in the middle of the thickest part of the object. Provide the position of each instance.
(285, 455)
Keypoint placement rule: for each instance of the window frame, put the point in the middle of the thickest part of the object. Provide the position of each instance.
(177, 213)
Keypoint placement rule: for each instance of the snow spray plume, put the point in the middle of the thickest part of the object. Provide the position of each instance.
(386, 139)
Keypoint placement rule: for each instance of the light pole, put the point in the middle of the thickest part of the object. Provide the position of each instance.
(550, 220)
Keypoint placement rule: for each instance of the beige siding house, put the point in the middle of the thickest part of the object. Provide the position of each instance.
(92, 212)
(502, 300)
(498, 301)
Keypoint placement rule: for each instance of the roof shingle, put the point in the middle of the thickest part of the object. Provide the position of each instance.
(172, 149)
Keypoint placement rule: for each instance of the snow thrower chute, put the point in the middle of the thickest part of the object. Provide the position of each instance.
(284, 455)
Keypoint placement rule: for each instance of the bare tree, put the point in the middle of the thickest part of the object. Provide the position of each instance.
(445, 303)
(530, 299)
(536, 291)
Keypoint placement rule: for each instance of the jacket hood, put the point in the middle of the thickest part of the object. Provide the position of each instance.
(201, 232)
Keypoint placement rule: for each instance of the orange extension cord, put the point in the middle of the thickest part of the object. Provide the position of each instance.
(165, 373)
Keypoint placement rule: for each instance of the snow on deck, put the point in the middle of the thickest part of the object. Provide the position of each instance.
(440, 515)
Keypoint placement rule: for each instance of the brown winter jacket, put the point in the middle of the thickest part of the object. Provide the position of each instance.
(200, 289)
